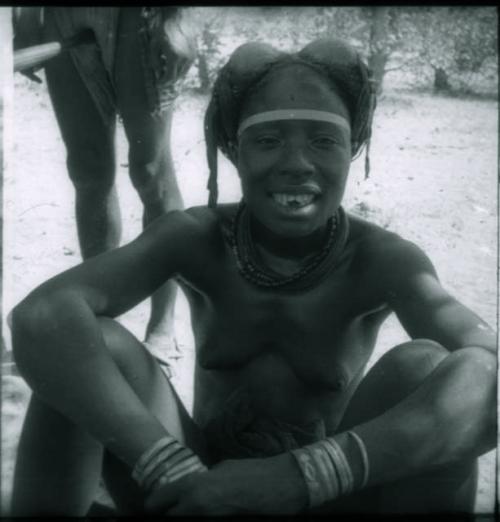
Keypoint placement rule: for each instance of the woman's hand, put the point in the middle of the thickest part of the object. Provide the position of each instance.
(272, 485)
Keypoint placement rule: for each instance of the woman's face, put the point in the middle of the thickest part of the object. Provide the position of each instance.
(293, 171)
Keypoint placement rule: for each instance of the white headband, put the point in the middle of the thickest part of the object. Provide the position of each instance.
(293, 114)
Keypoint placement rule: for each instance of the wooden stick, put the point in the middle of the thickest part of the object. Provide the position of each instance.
(33, 56)
(37, 54)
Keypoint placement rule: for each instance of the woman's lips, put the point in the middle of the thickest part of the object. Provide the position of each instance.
(292, 200)
(296, 205)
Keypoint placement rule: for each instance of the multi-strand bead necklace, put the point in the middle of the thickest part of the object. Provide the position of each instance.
(241, 242)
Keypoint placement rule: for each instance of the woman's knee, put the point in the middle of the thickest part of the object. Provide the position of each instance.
(394, 376)
(411, 361)
(403, 368)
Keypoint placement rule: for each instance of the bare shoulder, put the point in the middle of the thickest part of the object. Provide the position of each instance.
(385, 252)
(209, 219)
(194, 234)
(210, 223)
(200, 242)
(194, 223)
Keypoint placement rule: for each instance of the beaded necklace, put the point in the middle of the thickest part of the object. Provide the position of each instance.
(242, 245)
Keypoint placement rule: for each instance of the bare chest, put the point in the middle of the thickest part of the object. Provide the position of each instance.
(322, 337)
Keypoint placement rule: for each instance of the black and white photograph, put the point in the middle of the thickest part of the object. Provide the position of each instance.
(249, 260)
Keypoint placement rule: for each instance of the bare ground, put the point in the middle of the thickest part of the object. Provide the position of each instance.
(433, 180)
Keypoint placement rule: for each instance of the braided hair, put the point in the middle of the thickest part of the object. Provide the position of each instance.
(247, 69)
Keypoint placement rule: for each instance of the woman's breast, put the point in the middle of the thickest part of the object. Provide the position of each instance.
(295, 364)
(279, 387)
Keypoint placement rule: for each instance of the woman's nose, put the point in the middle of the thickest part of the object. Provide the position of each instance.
(296, 161)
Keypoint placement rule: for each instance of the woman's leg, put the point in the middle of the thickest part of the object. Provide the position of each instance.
(150, 157)
(396, 375)
(90, 151)
(151, 384)
(57, 467)
(59, 464)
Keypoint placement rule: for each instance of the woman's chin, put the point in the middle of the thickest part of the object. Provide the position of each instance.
(297, 222)
(295, 229)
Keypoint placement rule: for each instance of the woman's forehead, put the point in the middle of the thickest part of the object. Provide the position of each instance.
(295, 86)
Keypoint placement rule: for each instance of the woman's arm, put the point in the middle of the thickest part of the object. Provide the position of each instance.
(59, 347)
(451, 416)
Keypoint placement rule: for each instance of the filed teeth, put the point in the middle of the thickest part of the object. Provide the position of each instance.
(299, 200)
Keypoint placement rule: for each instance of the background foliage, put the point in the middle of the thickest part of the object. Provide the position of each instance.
(450, 49)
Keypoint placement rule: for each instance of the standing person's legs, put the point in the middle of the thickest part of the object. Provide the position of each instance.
(150, 158)
(395, 376)
(59, 464)
(90, 152)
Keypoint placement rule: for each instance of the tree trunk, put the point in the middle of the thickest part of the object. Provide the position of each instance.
(377, 63)
(379, 52)
(203, 53)
(203, 76)
(441, 83)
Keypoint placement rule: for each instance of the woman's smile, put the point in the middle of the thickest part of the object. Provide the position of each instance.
(296, 199)
(294, 168)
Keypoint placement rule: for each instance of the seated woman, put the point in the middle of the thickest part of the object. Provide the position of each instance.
(287, 294)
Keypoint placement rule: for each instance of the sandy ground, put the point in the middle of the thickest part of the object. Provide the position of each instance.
(433, 180)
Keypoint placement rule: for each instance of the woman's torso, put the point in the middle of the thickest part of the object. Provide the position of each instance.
(298, 356)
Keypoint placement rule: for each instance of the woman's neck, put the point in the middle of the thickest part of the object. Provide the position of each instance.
(293, 248)
(273, 261)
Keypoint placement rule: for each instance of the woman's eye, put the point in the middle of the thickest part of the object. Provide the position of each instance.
(268, 141)
(325, 141)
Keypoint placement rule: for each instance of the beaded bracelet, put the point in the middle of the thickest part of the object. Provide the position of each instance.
(165, 461)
